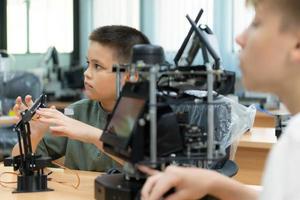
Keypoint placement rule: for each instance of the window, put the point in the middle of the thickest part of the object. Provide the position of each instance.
(16, 26)
(34, 25)
(171, 25)
(116, 12)
(242, 17)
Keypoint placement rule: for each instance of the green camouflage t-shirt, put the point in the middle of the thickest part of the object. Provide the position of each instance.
(79, 155)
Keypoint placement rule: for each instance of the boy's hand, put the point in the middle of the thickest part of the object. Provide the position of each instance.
(37, 128)
(147, 170)
(187, 183)
(62, 125)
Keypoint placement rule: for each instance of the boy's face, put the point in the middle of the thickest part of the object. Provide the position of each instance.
(99, 80)
(265, 51)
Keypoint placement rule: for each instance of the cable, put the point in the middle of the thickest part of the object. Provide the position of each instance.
(3, 183)
(63, 182)
(63, 167)
(75, 186)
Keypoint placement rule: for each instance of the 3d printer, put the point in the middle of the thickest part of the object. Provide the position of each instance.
(146, 128)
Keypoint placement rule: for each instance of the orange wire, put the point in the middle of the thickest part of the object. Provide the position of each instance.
(65, 183)
(2, 183)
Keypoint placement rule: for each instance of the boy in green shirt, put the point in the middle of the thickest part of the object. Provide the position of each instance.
(78, 137)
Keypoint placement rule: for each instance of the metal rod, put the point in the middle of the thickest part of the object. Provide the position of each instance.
(27, 25)
(118, 80)
(210, 112)
(153, 115)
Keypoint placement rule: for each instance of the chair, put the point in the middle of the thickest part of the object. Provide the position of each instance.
(14, 84)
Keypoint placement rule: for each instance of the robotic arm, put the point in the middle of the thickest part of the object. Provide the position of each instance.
(30, 165)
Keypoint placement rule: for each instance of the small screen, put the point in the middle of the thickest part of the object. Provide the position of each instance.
(125, 116)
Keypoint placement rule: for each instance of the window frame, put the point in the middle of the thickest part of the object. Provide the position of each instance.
(75, 58)
(3, 22)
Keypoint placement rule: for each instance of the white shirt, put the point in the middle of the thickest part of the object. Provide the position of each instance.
(282, 175)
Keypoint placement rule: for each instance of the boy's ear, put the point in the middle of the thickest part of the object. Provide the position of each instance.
(296, 53)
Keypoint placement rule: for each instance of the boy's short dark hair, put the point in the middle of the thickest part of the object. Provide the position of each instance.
(290, 10)
(120, 38)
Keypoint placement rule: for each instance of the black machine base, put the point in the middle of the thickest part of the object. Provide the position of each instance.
(32, 183)
(115, 187)
(31, 177)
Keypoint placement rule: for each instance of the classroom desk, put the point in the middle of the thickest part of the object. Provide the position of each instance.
(252, 152)
(254, 147)
(84, 191)
(263, 120)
